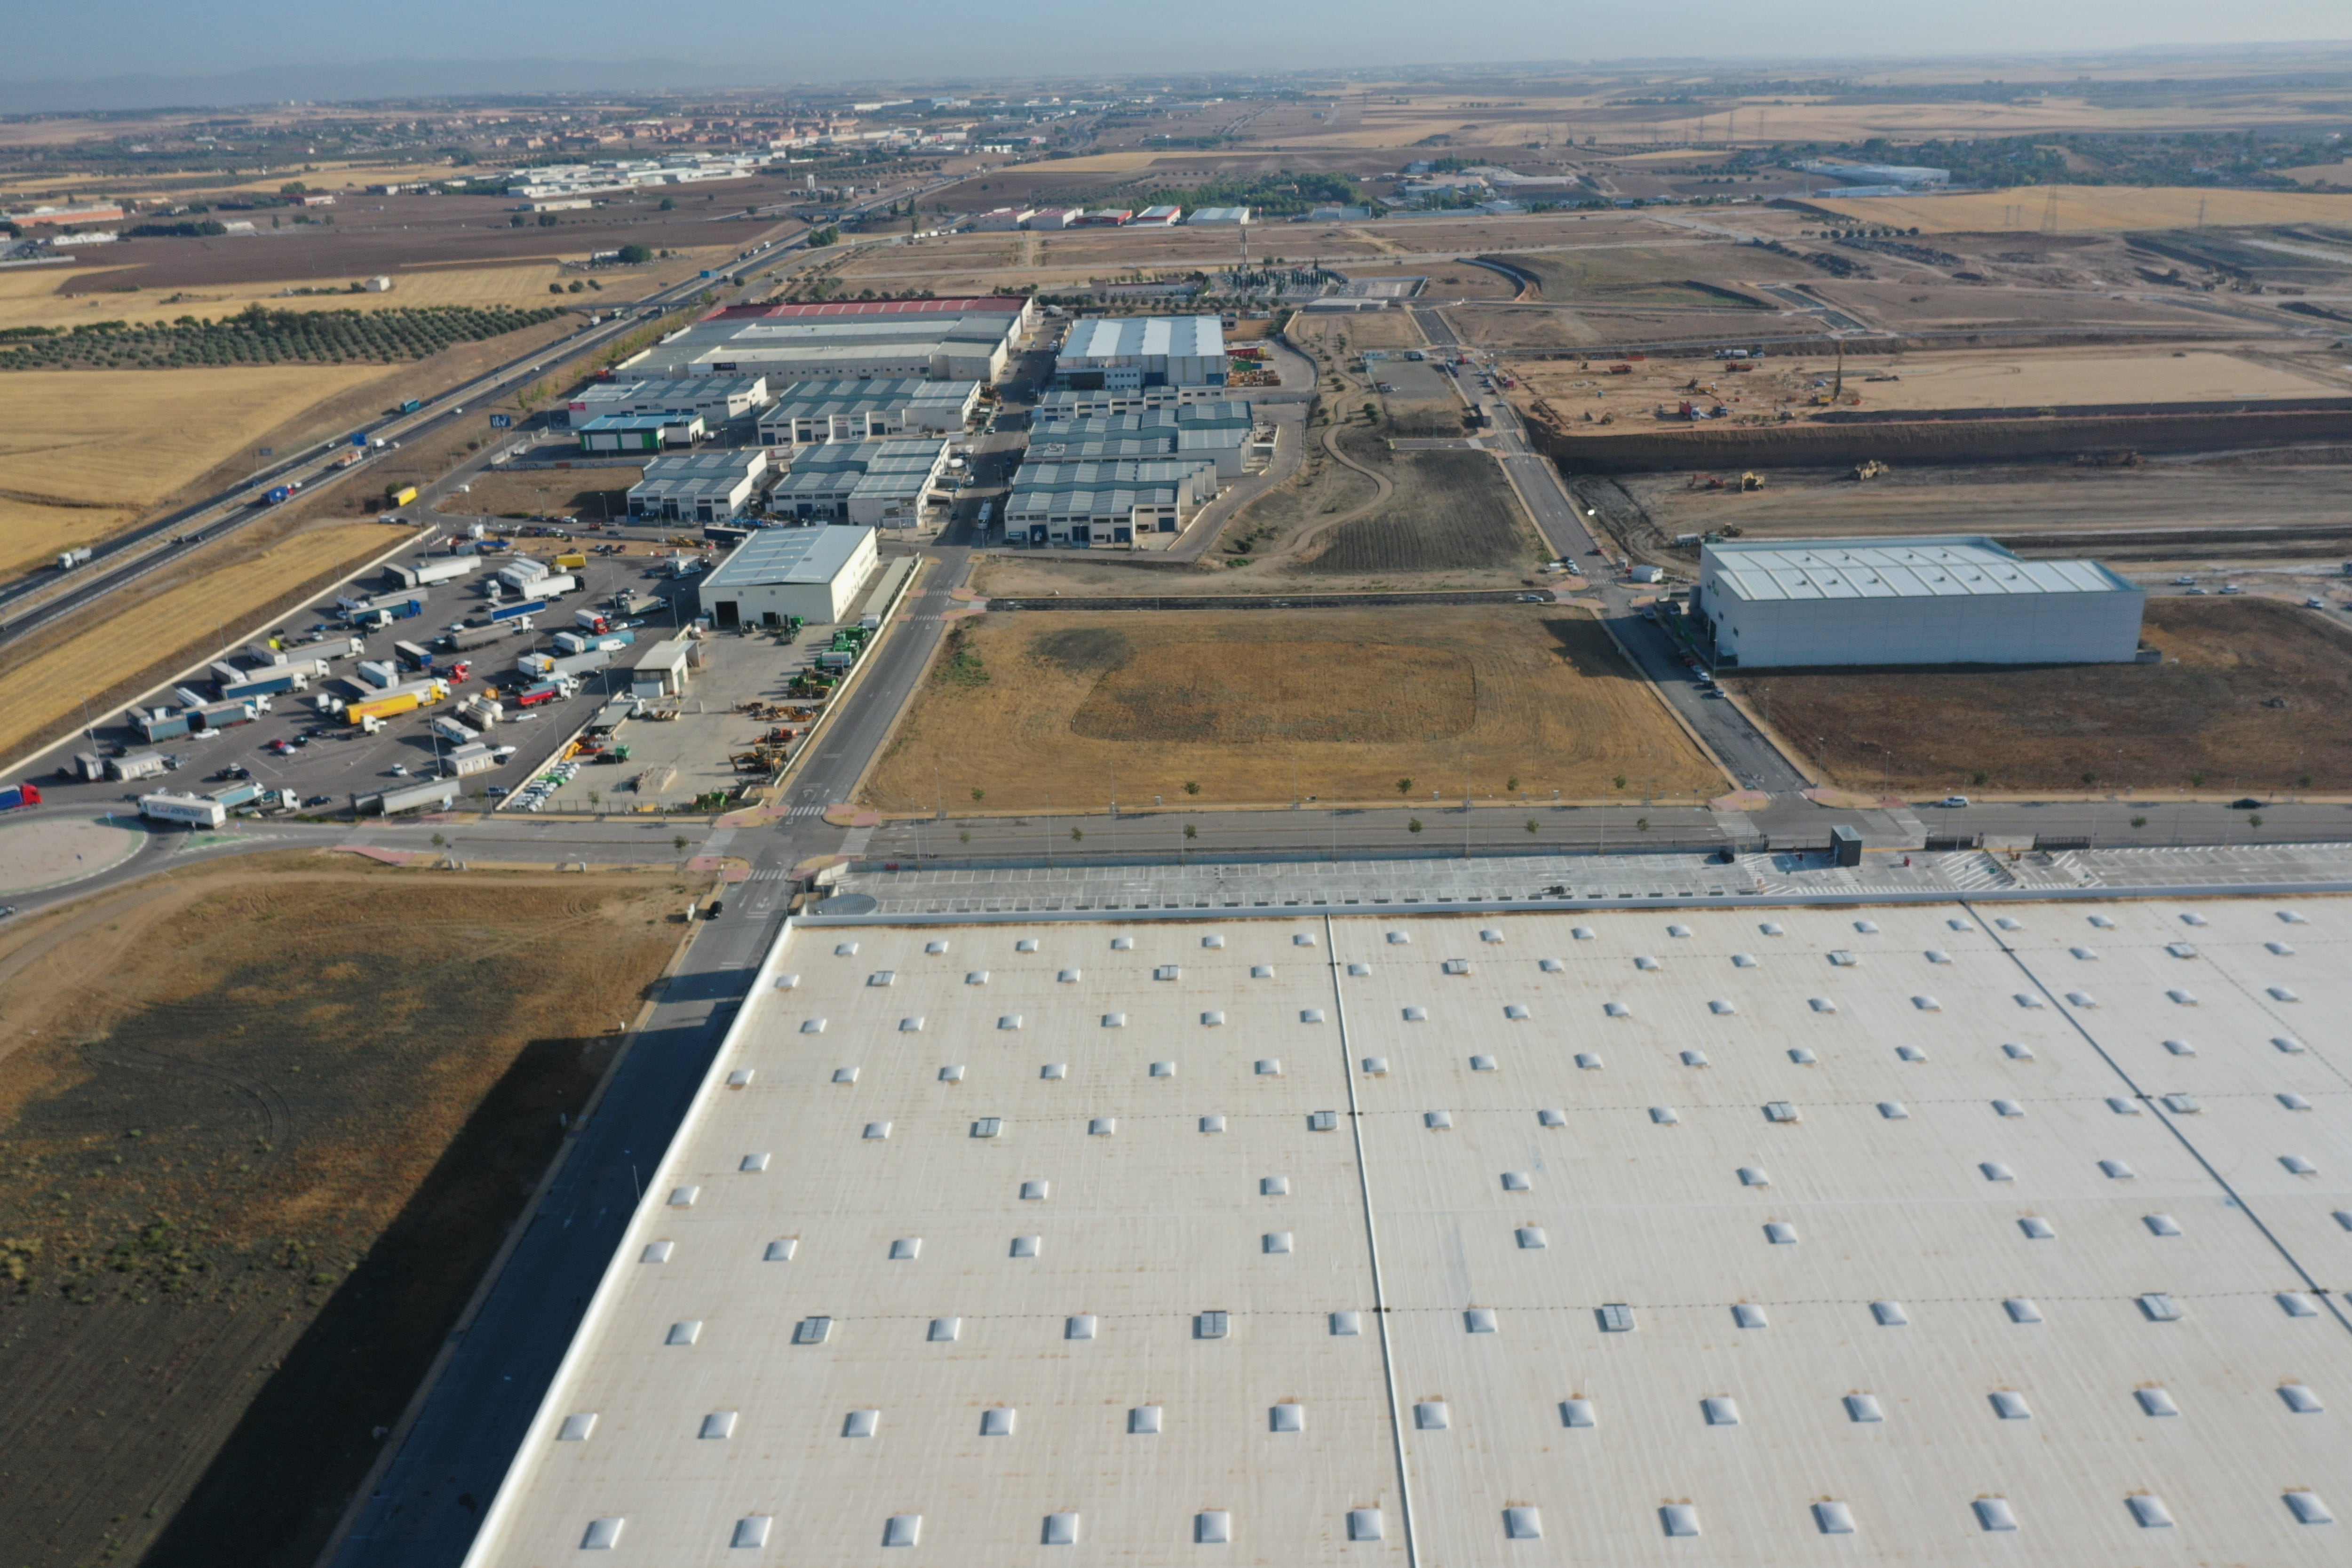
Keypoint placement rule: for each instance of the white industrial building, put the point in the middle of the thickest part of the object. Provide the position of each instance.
(815, 412)
(1220, 431)
(886, 484)
(1952, 599)
(1144, 504)
(717, 398)
(964, 339)
(1117, 354)
(1212, 216)
(998, 220)
(702, 487)
(779, 573)
(1930, 1236)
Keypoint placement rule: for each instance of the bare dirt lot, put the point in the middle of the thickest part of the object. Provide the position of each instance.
(266, 1122)
(2201, 719)
(1251, 705)
(1450, 511)
(561, 492)
(2100, 207)
(2157, 496)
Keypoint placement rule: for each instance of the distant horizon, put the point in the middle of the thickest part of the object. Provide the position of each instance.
(151, 74)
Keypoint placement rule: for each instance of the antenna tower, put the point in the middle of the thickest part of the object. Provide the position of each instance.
(2049, 213)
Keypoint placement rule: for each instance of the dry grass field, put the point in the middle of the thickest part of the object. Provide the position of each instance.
(43, 681)
(2200, 720)
(2080, 208)
(267, 1120)
(85, 452)
(1251, 705)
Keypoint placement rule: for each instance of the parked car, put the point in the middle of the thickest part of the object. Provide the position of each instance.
(320, 800)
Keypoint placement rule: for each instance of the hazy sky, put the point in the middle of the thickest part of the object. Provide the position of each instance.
(319, 48)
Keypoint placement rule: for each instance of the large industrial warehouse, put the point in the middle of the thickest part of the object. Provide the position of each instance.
(1125, 352)
(778, 573)
(1943, 600)
(1933, 1234)
(968, 338)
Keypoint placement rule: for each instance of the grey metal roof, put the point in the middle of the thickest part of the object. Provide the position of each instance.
(1944, 567)
(774, 555)
(1103, 339)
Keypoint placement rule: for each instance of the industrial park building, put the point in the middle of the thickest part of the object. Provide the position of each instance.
(700, 487)
(1220, 430)
(968, 338)
(1920, 1236)
(609, 433)
(1144, 504)
(1117, 354)
(882, 483)
(719, 399)
(1954, 599)
(779, 573)
(811, 412)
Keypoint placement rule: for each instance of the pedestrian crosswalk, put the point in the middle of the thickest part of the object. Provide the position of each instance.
(803, 813)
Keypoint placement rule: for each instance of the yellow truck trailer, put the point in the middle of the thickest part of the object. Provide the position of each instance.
(574, 562)
(404, 495)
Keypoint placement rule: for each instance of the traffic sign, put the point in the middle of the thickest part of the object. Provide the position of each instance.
(501, 421)
(359, 439)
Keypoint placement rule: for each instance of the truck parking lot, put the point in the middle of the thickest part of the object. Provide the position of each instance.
(323, 763)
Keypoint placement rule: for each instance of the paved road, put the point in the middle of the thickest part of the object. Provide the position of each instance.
(1501, 828)
(1751, 759)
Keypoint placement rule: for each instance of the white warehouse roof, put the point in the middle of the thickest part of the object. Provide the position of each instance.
(776, 556)
(1109, 340)
(1319, 1240)
(1945, 567)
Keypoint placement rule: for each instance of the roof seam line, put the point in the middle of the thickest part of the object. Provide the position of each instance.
(2073, 1021)
(1371, 1242)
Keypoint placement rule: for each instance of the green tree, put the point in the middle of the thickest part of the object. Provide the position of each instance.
(1619, 781)
(979, 794)
(1078, 835)
(1404, 787)
(1191, 831)
(669, 204)
(1531, 825)
(635, 256)
(677, 842)
(1413, 827)
(1192, 786)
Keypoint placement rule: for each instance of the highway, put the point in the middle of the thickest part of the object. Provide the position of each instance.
(125, 558)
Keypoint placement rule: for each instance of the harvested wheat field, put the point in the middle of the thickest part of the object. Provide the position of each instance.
(267, 1120)
(86, 452)
(1038, 708)
(2201, 719)
(44, 682)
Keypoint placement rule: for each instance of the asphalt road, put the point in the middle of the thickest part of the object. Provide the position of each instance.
(1742, 749)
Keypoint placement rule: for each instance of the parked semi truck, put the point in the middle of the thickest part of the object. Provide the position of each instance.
(413, 656)
(520, 609)
(466, 638)
(195, 810)
(438, 569)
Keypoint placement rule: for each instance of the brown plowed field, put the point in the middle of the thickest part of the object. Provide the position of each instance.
(1451, 509)
(1038, 710)
(266, 1122)
(2197, 719)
